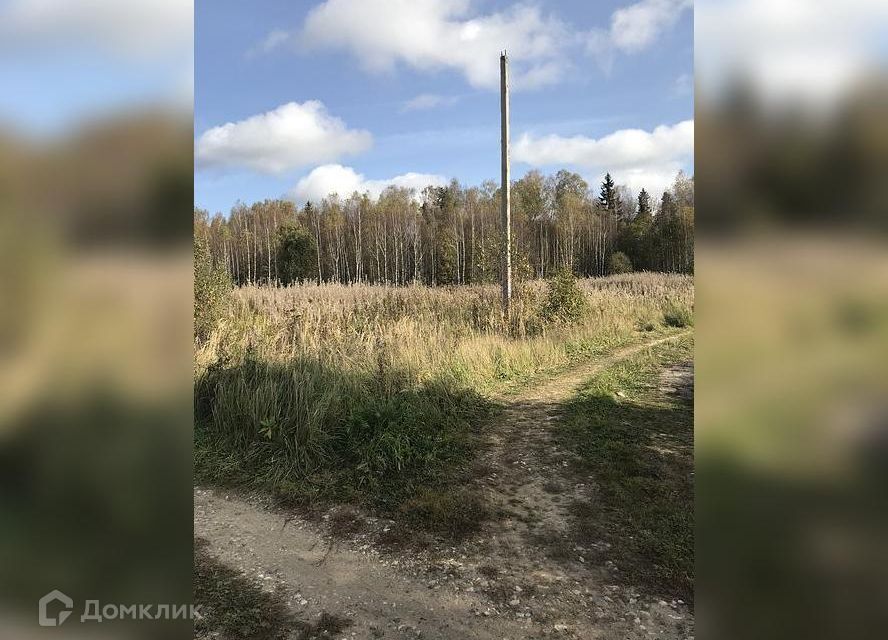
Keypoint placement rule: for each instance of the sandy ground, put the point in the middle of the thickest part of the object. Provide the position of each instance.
(501, 583)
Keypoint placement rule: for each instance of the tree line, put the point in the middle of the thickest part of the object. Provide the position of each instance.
(452, 234)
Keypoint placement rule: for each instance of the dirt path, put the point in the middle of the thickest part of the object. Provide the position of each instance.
(526, 463)
(521, 577)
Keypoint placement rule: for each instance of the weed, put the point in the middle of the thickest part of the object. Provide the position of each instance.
(344, 522)
(455, 513)
(676, 315)
(566, 302)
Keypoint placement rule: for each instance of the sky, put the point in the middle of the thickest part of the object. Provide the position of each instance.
(405, 91)
(63, 62)
(296, 99)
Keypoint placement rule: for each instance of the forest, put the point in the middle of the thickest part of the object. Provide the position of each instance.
(451, 234)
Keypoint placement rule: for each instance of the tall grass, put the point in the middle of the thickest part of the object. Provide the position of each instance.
(357, 389)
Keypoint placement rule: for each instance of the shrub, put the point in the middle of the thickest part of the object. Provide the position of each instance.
(619, 262)
(212, 285)
(566, 302)
(297, 254)
(676, 315)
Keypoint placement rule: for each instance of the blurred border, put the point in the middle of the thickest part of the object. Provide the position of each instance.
(96, 175)
(792, 348)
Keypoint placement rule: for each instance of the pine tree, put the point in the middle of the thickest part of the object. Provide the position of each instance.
(644, 205)
(608, 195)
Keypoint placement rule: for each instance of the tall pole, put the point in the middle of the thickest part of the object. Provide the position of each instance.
(506, 209)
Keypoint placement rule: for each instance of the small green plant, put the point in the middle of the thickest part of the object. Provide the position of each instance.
(566, 302)
(455, 513)
(678, 316)
(212, 285)
(618, 263)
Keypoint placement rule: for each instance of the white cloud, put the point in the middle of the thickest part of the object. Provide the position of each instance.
(334, 178)
(656, 181)
(144, 29)
(637, 27)
(428, 101)
(291, 136)
(433, 35)
(275, 39)
(634, 157)
(683, 85)
(634, 28)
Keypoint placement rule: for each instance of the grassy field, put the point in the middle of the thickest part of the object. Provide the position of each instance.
(376, 395)
(638, 440)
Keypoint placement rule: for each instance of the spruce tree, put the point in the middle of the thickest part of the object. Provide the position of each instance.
(608, 195)
(644, 205)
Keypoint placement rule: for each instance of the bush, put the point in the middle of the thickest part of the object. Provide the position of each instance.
(566, 302)
(297, 254)
(678, 316)
(212, 285)
(619, 262)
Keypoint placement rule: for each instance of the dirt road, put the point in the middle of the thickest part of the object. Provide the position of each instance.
(501, 583)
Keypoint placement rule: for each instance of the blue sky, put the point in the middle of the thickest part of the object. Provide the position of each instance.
(66, 61)
(613, 79)
(382, 89)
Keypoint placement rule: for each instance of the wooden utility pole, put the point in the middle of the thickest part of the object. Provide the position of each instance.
(506, 210)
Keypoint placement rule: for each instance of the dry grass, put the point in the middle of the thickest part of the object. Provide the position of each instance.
(453, 334)
(359, 391)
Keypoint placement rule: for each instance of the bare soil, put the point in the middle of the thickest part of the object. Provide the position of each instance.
(522, 576)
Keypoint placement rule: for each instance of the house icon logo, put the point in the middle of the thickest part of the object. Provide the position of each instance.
(43, 609)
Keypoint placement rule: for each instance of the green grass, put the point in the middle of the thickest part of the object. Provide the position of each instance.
(378, 397)
(637, 442)
(454, 512)
(376, 446)
(678, 315)
(236, 608)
